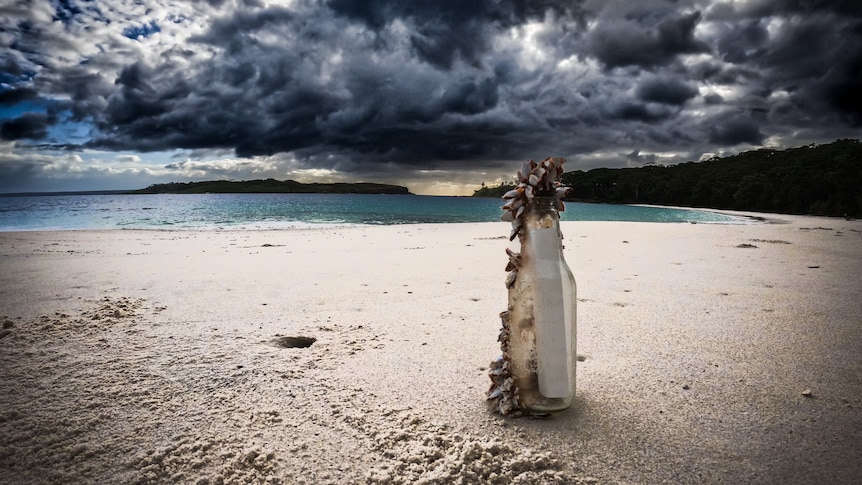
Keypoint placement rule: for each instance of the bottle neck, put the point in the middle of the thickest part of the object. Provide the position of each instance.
(541, 214)
(543, 204)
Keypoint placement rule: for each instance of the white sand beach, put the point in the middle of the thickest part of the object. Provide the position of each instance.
(712, 354)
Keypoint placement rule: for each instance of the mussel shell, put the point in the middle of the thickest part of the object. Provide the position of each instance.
(511, 194)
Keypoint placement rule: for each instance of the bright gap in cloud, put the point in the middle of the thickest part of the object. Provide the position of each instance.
(137, 32)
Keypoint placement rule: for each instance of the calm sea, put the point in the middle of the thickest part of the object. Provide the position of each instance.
(272, 211)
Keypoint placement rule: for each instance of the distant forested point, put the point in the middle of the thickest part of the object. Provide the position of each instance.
(270, 186)
(812, 179)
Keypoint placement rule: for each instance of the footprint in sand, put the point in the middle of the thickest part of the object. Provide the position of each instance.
(294, 342)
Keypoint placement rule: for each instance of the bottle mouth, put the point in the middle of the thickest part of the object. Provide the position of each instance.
(543, 202)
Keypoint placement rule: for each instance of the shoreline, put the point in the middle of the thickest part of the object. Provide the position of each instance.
(765, 217)
(152, 356)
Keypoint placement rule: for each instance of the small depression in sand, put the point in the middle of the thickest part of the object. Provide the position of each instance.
(293, 342)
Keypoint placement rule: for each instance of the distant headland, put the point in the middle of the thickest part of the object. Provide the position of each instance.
(269, 186)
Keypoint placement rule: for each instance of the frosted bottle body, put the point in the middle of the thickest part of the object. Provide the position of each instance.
(543, 315)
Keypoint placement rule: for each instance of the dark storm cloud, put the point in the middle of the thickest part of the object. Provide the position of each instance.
(711, 99)
(770, 8)
(449, 30)
(439, 28)
(12, 72)
(646, 41)
(363, 86)
(735, 131)
(666, 91)
(28, 125)
(813, 56)
(274, 100)
(842, 93)
(632, 111)
(828, 58)
(15, 96)
(744, 41)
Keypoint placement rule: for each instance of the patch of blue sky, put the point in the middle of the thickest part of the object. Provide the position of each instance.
(145, 30)
(69, 132)
(65, 10)
(18, 109)
(178, 18)
(64, 131)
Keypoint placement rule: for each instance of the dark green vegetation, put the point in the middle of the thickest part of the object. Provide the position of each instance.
(488, 191)
(270, 186)
(814, 179)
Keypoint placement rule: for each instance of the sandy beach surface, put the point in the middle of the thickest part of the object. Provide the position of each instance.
(711, 354)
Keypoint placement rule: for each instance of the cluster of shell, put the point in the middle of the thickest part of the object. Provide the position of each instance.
(534, 180)
(503, 393)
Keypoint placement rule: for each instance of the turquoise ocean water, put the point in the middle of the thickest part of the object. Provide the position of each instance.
(273, 211)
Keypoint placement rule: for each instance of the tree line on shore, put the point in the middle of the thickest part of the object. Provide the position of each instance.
(813, 179)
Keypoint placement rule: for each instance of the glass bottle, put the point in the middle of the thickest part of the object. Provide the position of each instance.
(543, 315)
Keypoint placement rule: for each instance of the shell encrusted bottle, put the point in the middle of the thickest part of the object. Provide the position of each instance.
(536, 373)
(543, 315)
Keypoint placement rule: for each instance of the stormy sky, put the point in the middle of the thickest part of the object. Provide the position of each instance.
(439, 96)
